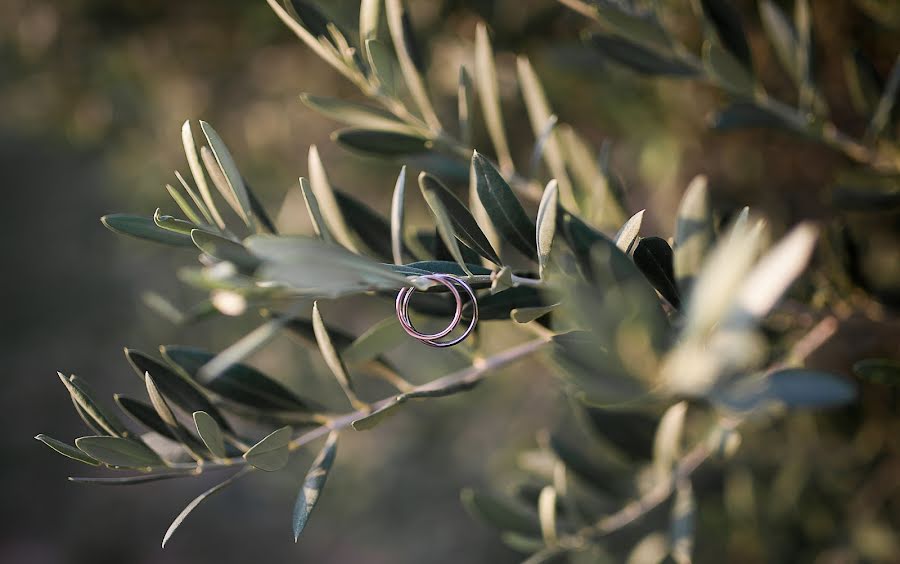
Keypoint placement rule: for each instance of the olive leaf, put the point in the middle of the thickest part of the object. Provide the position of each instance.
(313, 484)
(271, 452)
(503, 208)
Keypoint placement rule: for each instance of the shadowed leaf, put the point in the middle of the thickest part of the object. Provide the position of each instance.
(313, 484)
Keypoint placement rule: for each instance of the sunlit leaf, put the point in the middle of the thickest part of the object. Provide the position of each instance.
(782, 36)
(693, 234)
(547, 515)
(546, 225)
(231, 172)
(398, 24)
(628, 233)
(397, 225)
(354, 114)
(489, 95)
(327, 203)
(102, 418)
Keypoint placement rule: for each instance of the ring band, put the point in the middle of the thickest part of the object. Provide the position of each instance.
(450, 281)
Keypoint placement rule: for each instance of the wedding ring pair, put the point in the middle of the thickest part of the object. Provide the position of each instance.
(452, 283)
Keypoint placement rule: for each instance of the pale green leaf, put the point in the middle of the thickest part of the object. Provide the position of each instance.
(232, 174)
(332, 358)
(272, 452)
(489, 95)
(66, 449)
(198, 500)
(414, 81)
(397, 201)
(210, 433)
(327, 203)
(116, 451)
(693, 234)
(144, 228)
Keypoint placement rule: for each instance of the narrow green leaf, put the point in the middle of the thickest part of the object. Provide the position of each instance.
(183, 205)
(742, 115)
(802, 388)
(727, 70)
(886, 103)
(332, 359)
(540, 114)
(547, 515)
(782, 36)
(653, 256)
(377, 340)
(500, 513)
(210, 433)
(241, 349)
(198, 500)
(68, 450)
(179, 389)
(397, 217)
(354, 114)
(315, 212)
(489, 95)
(372, 419)
(528, 314)
(313, 484)
(172, 224)
(727, 22)
(116, 451)
(224, 249)
(683, 522)
(465, 106)
(102, 418)
(168, 418)
(628, 234)
(144, 228)
(546, 225)
(693, 233)
(327, 202)
(772, 276)
(198, 201)
(370, 227)
(667, 440)
(639, 58)
(504, 209)
(381, 61)
(130, 480)
(145, 414)
(431, 188)
(190, 151)
(369, 13)
(239, 383)
(382, 143)
(403, 41)
(272, 452)
(313, 267)
(231, 172)
(879, 370)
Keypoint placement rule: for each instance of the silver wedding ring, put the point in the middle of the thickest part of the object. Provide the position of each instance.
(433, 339)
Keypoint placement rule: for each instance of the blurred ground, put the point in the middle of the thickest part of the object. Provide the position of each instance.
(93, 95)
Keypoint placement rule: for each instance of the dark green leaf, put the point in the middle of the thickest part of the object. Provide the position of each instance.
(727, 22)
(144, 414)
(313, 484)
(653, 256)
(381, 143)
(863, 82)
(144, 228)
(430, 188)
(504, 514)
(500, 306)
(370, 228)
(742, 115)
(224, 249)
(239, 383)
(310, 16)
(178, 388)
(867, 191)
(259, 211)
(879, 370)
(66, 449)
(271, 453)
(639, 58)
(503, 208)
(116, 451)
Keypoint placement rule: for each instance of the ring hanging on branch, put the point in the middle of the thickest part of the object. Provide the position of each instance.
(433, 339)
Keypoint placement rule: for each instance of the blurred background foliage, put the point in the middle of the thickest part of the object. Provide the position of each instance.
(93, 93)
